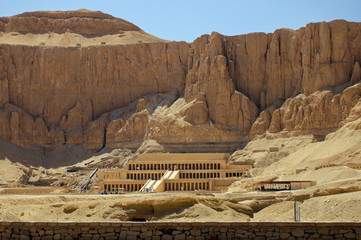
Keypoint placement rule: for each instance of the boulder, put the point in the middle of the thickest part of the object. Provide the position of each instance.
(197, 113)
(150, 146)
(134, 129)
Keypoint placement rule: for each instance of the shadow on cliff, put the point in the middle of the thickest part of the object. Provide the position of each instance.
(38, 156)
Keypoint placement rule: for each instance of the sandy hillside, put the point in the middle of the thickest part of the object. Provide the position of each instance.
(322, 161)
(335, 197)
(330, 152)
(154, 207)
(174, 207)
(337, 193)
(9, 172)
(70, 28)
(328, 159)
(73, 39)
(336, 208)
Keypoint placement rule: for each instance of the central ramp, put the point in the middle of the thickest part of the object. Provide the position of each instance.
(158, 185)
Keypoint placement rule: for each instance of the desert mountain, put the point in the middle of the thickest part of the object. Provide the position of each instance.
(218, 89)
(82, 21)
(71, 28)
(83, 85)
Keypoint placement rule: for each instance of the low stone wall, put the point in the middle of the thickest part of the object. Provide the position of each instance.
(30, 190)
(179, 231)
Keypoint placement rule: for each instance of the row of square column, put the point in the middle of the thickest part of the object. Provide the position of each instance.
(178, 186)
(116, 188)
(187, 186)
(185, 175)
(200, 175)
(144, 176)
(174, 166)
(234, 174)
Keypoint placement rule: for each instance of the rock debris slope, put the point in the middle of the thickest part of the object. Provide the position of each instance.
(87, 78)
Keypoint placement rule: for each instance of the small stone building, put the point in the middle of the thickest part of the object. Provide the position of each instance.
(172, 172)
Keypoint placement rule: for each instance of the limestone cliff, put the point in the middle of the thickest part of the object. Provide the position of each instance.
(318, 113)
(82, 21)
(217, 89)
(287, 62)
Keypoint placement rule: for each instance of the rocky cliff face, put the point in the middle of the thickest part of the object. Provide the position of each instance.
(287, 62)
(82, 21)
(216, 89)
(69, 87)
(48, 82)
(318, 113)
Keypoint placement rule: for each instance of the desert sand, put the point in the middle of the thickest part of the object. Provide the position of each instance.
(128, 207)
(334, 208)
(174, 207)
(76, 40)
(335, 197)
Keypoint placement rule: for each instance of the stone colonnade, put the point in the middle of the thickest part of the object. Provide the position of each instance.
(187, 186)
(174, 166)
(128, 187)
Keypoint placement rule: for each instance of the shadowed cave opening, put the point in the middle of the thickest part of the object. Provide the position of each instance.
(137, 219)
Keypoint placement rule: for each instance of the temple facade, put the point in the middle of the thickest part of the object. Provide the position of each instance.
(166, 172)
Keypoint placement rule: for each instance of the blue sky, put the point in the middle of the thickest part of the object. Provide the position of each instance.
(186, 20)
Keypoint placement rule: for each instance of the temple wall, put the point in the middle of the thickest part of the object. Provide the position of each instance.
(183, 156)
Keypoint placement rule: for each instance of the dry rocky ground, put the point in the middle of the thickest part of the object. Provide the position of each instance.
(336, 197)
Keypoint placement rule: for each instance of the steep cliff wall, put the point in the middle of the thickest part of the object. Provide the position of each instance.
(267, 69)
(232, 86)
(69, 87)
(287, 62)
(48, 81)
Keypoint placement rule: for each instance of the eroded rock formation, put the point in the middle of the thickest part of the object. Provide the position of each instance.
(216, 89)
(82, 21)
(321, 110)
(288, 62)
(48, 82)
(209, 75)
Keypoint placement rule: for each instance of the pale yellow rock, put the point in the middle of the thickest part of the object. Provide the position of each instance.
(134, 128)
(197, 113)
(262, 122)
(150, 146)
(210, 75)
(95, 133)
(170, 125)
(20, 128)
(80, 21)
(319, 111)
(61, 83)
(356, 74)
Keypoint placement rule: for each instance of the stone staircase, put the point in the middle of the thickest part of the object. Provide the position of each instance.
(158, 185)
